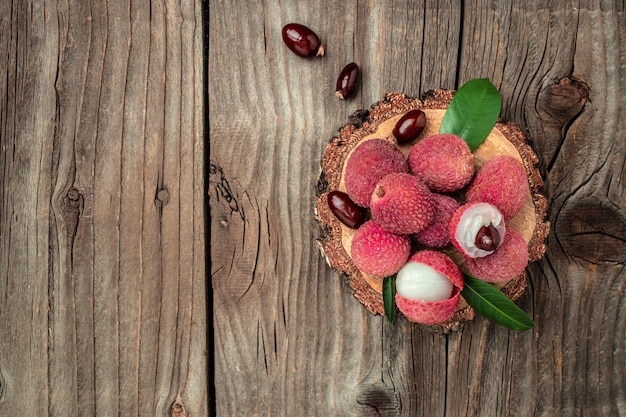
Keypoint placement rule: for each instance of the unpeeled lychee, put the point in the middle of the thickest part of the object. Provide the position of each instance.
(368, 163)
(502, 182)
(443, 161)
(402, 203)
(507, 262)
(428, 287)
(377, 252)
(469, 222)
(436, 234)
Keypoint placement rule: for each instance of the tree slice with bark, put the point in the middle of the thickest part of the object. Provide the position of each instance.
(378, 122)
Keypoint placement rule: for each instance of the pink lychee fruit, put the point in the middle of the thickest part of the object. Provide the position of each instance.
(507, 262)
(502, 182)
(402, 203)
(443, 161)
(377, 252)
(428, 287)
(436, 234)
(477, 229)
(368, 163)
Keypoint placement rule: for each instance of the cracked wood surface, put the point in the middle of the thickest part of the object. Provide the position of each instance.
(289, 337)
(102, 243)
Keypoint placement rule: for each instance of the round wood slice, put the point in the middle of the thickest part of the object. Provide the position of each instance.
(378, 122)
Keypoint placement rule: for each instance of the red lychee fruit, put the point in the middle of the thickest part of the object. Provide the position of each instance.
(507, 262)
(436, 234)
(428, 287)
(502, 182)
(377, 252)
(443, 161)
(368, 163)
(401, 203)
(477, 229)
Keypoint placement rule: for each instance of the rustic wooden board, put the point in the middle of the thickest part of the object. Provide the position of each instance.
(289, 337)
(102, 242)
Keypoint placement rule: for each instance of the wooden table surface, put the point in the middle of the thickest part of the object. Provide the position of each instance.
(289, 338)
(158, 163)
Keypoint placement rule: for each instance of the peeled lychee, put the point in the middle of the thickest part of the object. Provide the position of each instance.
(402, 203)
(368, 163)
(428, 287)
(502, 182)
(469, 225)
(443, 161)
(377, 252)
(507, 262)
(436, 234)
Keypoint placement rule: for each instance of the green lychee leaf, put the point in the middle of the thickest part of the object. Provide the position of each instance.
(473, 112)
(492, 304)
(389, 297)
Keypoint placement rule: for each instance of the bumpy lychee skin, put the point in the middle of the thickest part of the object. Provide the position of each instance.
(501, 181)
(414, 286)
(368, 163)
(402, 203)
(466, 223)
(377, 252)
(506, 263)
(443, 161)
(436, 234)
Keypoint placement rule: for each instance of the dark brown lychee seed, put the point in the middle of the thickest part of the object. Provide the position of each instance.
(345, 209)
(302, 40)
(347, 81)
(487, 238)
(409, 126)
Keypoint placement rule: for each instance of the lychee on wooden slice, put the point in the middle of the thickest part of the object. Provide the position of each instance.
(378, 122)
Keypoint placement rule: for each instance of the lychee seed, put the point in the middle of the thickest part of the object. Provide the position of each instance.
(487, 238)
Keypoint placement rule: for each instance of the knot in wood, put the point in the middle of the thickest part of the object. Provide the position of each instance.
(178, 409)
(163, 196)
(594, 231)
(73, 194)
(72, 202)
(564, 100)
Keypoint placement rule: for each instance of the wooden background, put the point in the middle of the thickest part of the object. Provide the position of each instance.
(289, 337)
(104, 250)
(102, 219)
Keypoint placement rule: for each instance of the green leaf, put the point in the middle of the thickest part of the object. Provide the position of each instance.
(489, 302)
(473, 112)
(389, 297)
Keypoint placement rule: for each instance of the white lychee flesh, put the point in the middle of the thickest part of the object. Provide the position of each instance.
(418, 281)
(472, 220)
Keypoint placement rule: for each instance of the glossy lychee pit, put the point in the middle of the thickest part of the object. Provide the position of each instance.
(487, 238)
(409, 126)
(345, 209)
(302, 41)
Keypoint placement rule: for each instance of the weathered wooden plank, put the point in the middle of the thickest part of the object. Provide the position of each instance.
(102, 211)
(288, 335)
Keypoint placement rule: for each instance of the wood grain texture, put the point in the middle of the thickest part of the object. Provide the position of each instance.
(289, 337)
(102, 273)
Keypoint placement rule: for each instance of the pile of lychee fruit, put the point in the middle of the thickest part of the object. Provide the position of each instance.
(416, 208)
